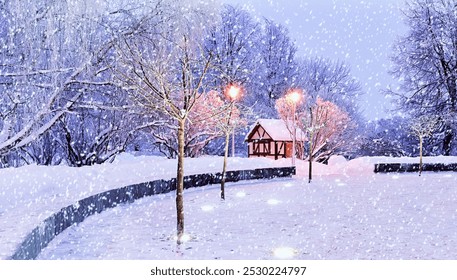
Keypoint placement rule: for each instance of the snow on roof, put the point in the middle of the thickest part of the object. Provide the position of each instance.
(277, 130)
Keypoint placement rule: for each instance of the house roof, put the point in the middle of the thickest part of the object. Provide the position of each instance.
(277, 130)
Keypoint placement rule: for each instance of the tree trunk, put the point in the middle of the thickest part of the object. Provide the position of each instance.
(420, 154)
(224, 166)
(310, 159)
(180, 181)
(447, 141)
(233, 143)
(311, 135)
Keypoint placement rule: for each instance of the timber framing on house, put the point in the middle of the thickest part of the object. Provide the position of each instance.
(271, 138)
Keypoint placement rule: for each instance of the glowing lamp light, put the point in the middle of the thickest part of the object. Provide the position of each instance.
(284, 253)
(294, 97)
(233, 92)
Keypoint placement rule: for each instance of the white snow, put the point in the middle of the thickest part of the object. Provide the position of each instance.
(277, 130)
(347, 212)
(30, 194)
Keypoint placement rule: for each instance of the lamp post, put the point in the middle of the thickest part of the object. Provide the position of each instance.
(294, 97)
(233, 92)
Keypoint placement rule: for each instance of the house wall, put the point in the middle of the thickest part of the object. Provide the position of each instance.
(260, 148)
(289, 146)
(276, 149)
(260, 134)
(261, 140)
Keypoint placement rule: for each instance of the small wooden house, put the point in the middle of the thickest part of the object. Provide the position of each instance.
(271, 138)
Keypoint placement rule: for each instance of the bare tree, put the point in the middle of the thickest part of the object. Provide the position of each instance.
(422, 127)
(327, 124)
(201, 128)
(324, 123)
(332, 81)
(165, 67)
(286, 107)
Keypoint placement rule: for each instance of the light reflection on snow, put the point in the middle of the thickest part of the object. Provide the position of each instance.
(339, 183)
(240, 194)
(448, 176)
(207, 208)
(184, 238)
(284, 252)
(288, 185)
(395, 177)
(273, 201)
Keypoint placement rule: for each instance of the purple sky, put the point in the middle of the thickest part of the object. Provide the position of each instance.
(360, 33)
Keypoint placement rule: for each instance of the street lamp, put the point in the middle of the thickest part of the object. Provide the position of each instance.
(293, 98)
(233, 93)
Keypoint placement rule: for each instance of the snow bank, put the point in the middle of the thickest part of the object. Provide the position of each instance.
(337, 165)
(363, 166)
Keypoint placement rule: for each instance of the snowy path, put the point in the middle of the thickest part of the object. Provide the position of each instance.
(30, 194)
(383, 216)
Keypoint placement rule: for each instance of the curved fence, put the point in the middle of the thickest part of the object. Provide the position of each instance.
(40, 237)
(413, 167)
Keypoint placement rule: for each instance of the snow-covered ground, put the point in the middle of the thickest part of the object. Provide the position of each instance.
(347, 212)
(30, 194)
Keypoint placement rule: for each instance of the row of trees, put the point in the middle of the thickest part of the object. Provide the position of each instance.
(71, 68)
(425, 63)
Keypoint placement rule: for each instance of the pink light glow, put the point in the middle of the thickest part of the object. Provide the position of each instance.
(233, 92)
(294, 97)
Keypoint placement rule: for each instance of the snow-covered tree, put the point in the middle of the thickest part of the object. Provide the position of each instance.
(325, 124)
(332, 81)
(387, 137)
(55, 55)
(278, 73)
(425, 62)
(424, 126)
(234, 41)
(203, 121)
(286, 107)
(200, 130)
(165, 66)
